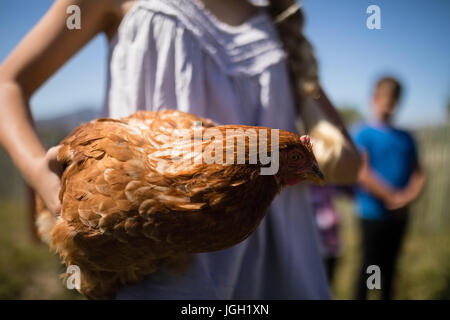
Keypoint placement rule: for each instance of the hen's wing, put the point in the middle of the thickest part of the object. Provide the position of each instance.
(109, 184)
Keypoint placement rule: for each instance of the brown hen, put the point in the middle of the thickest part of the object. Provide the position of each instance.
(139, 192)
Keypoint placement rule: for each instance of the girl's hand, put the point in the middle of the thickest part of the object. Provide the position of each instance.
(47, 180)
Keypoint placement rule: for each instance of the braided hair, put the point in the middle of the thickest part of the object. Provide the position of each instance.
(288, 18)
(327, 139)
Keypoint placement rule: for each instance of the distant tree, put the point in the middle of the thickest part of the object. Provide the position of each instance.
(350, 115)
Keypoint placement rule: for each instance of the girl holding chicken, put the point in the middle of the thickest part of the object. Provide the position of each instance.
(234, 61)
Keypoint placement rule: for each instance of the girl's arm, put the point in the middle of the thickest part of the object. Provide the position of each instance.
(38, 56)
(346, 167)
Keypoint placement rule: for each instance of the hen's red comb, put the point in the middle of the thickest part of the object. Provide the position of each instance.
(306, 140)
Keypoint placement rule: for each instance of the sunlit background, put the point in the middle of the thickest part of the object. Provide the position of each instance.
(413, 45)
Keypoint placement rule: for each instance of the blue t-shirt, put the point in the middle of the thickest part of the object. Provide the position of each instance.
(392, 156)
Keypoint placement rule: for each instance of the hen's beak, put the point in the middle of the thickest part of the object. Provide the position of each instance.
(315, 175)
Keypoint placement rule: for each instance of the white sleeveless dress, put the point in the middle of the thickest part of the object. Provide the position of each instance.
(175, 54)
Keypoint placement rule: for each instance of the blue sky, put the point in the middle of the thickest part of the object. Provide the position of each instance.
(413, 45)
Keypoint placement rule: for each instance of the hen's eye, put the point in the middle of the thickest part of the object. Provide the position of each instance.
(294, 157)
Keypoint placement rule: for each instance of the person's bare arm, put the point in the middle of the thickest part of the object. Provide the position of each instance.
(373, 184)
(347, 166)
(392, 198)
(411, 192)
(415, 185)
(38, 56)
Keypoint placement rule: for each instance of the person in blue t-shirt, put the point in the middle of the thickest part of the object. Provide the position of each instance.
(390, 179)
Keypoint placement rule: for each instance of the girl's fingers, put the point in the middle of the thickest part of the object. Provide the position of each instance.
(52, 160)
